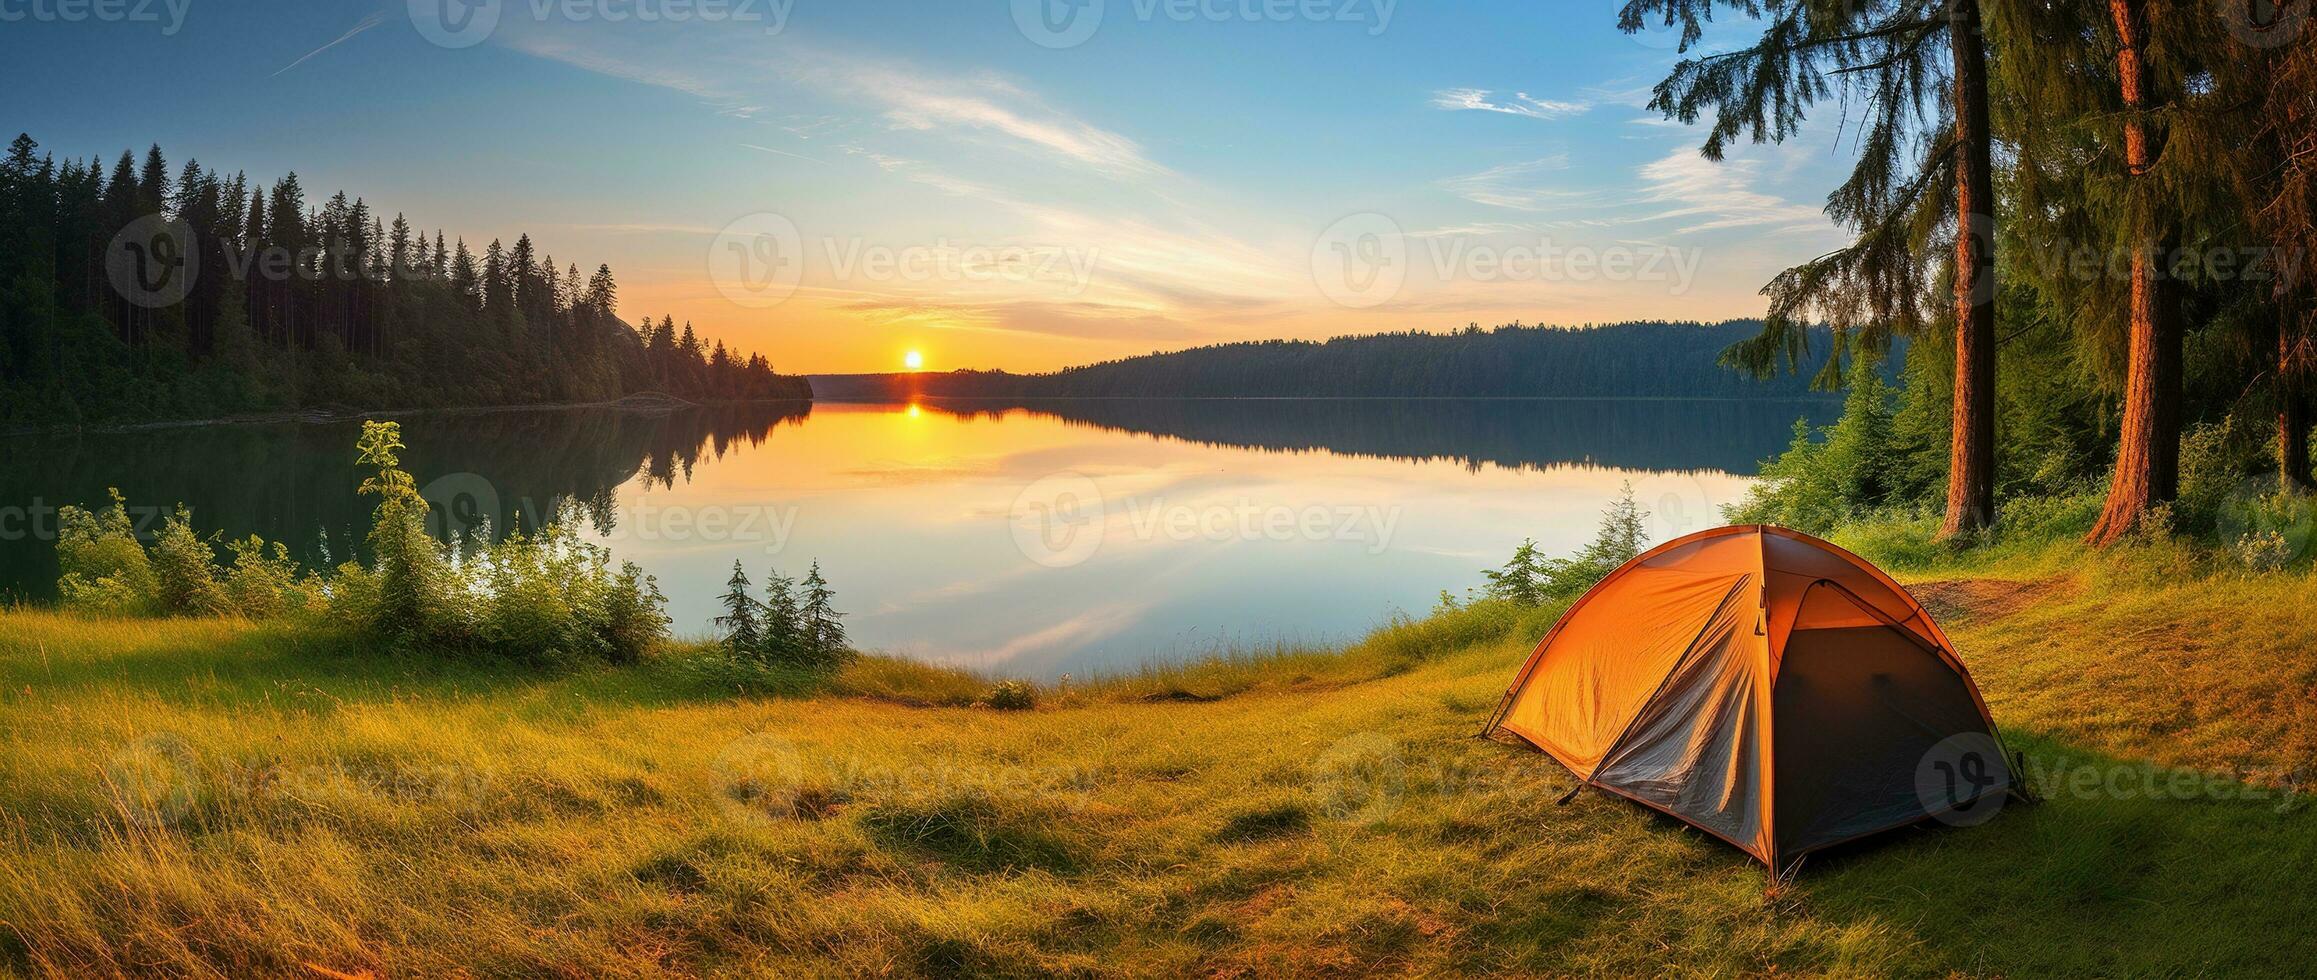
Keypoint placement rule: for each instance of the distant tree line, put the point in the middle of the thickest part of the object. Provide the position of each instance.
(1626, 433)
(1625, 360)
(131, 294)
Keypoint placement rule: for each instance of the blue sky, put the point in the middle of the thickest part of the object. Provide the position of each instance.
(839, 183)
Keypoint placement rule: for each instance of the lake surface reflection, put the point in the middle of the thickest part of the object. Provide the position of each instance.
(1024, 539)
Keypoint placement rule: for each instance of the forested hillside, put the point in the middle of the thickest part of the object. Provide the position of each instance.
(1626, 360)
(133, 294)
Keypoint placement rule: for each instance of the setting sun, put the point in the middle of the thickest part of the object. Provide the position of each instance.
(913, 360)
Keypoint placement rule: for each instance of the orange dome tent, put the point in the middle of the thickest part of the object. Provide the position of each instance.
(1765, 687)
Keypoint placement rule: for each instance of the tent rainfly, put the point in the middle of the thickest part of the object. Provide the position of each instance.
(1765, 687)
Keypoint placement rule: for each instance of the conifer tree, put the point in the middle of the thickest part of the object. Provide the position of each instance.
(743, 629)
(1522, 578)
(1918, 175)
(602, 292)
(466, 280)
(784, 631)
(2148, 449)
(2283, 177)
(824, 635)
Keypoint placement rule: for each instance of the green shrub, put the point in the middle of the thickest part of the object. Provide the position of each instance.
(634, 616)
(1530, 579)
(108, 571)
(263, 581)
(2214, 460)
(2064, 518)
(1012, 696)
(105, 569)
(414, 587)
(1836, 473)
(553, 596)
(185, 575)
(2271, 531)
(544, 595)
(2263, 551)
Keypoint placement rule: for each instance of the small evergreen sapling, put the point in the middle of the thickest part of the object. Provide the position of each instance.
(824, 636)
(783, 629)
(742, 624)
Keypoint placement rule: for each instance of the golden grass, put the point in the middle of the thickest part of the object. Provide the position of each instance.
(221, 798)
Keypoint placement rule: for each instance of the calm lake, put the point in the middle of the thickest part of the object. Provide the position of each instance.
(1061, 537)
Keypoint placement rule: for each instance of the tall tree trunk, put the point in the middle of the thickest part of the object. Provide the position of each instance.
(2148, 452)
(2292, 410)
(1971, 456)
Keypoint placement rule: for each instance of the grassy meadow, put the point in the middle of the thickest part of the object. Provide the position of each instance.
(220, 797)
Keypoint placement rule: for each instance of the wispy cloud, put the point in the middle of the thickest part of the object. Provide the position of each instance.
(1714, 196)
(568, 51)
(930, 176)
(1520, 104)
(1078, 321)
(366, 23)
(1478, 230)
(905, 97)
(645, 228)
(990, 105)
(1516, 185)
(779, 152)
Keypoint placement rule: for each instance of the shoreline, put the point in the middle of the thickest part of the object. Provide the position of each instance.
(854, 400)
(640, 403)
